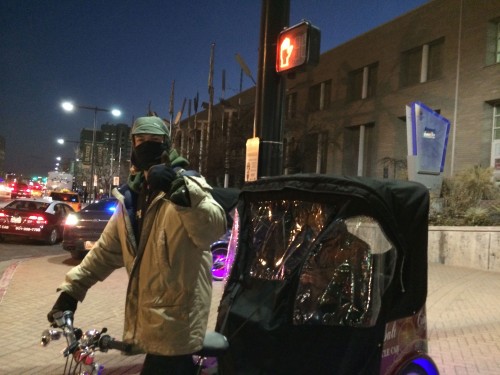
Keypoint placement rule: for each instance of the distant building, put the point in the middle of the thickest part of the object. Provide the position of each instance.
(2, 157)
(112, 153)
(347, 114)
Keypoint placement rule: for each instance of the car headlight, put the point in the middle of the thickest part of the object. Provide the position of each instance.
(71, 220)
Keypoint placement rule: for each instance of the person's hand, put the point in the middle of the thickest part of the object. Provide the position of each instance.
(160, 177)
(65, 302)
(179, 194)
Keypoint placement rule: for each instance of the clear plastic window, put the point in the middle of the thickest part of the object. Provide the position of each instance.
(282, 233)
(344, 264)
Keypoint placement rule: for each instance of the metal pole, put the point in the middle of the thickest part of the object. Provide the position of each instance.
(202, 146)
(228, 143)
(210, 103)
(92, 157)
(270, 89)
(111, 172)
(119, 165)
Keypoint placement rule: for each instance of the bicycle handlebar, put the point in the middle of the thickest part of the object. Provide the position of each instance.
(107, 342)
(93, 338)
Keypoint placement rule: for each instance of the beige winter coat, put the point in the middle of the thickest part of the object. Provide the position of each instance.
(170, 285)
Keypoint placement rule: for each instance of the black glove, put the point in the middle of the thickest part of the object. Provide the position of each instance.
(160, 178)
(64, 303)
(179, 194)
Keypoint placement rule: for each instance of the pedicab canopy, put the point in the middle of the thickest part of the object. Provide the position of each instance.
(321, 264)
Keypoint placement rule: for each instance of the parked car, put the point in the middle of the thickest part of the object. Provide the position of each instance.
(20, 189)
(83, 228)
(41, 219)
(70, 197)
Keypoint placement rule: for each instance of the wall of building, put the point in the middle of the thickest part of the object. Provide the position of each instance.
(464, 92)
(460, 97)
(474, 247)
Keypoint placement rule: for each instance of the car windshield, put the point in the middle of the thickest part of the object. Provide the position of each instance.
(105, 205)
(28, 205)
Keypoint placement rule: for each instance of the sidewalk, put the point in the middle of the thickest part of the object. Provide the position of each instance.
(463, 314)
(463, 320)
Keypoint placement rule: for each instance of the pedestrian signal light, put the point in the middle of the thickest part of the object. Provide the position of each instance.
(298, 47)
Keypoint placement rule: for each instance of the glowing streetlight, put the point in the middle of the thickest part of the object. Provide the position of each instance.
(62, 141)
(69, 107)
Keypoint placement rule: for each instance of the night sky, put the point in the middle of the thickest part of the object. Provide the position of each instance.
(125, 54)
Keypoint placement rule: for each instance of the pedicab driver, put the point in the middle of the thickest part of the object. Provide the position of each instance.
(161, 232)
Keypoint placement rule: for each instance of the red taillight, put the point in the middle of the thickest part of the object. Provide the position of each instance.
(36, 219)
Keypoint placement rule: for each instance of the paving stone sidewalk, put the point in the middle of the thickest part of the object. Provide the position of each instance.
(463, 318)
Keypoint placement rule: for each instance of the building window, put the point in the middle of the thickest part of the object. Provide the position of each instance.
(495, 147)
(363, 82)
(357, 149)
(422, 64)
(435, 60)
(291, 106)
(496, 122)
(319, 96)
(497, 54)
(493, 42)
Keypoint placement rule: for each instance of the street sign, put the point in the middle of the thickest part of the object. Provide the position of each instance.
(427, 139)
(427, 134)
(298, 47)
(252, 159)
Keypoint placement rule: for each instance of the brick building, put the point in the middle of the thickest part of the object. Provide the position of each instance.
(347, 114)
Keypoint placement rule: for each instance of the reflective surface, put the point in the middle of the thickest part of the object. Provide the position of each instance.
(345, 264)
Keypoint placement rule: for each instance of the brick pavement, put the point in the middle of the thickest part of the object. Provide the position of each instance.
(463, 320)
(463, 311)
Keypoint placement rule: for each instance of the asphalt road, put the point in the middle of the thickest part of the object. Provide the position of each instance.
(19, 248)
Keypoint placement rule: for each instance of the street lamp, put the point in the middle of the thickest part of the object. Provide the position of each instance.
(62, 141)
(69, 107)
(74, 167)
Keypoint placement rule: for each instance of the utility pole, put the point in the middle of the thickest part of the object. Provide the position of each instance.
(230, 113)
(195, 104)
(171, 108)
(270, 89)
(203, 142)
(188, 131)
(211, 99)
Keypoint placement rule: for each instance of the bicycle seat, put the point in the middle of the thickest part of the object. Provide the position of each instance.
(214, 345)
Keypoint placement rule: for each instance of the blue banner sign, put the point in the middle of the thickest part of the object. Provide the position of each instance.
(427, 133)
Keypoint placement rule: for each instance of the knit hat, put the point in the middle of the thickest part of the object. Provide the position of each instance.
(150, 125)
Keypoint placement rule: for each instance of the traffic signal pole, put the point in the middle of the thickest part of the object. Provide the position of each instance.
(270, 89)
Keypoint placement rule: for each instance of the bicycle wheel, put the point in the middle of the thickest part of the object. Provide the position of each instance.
(421, 365)
(219, 256)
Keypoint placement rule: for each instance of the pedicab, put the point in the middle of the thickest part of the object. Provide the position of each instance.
(327, 275)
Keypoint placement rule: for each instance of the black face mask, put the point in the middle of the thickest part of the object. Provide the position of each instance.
(147, 154)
